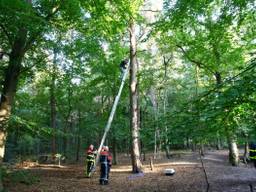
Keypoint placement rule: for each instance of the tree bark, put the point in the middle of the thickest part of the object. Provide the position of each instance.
(167, 147)
(9, 89)
(218, 142)
(218, 83)
(233, 150)
(135, 152)
(201, 144)
(69, 117)
(53, 102)
(79, 138)
(157, 141)
(78, 147)
(246, 151)
(165, 103)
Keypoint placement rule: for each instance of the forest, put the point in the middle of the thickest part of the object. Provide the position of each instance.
(184, 101)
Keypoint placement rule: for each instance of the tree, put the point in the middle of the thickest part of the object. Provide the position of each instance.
(23, 34)
(134, 102)
(207, 38)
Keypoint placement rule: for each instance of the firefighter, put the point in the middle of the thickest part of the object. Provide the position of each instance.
(90, 160)
(252, 153)
(109, 159)
(105, 163)
(123, 67)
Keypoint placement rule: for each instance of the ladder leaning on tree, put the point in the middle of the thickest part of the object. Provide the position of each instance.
(112, 113)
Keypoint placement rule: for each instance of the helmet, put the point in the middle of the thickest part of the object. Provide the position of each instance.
(91, 147)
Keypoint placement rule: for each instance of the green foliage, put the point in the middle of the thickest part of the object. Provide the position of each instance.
(88, 40)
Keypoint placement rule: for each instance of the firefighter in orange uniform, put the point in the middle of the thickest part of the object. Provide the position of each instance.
(105, 164)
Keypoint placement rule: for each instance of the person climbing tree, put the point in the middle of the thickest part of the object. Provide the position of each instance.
(90, 160)
(123, 67)
(105, 161)
(252, 153)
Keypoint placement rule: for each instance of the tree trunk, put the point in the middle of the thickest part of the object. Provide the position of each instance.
(53, 102)
(218, 142)
(167, 147)
(218, 83)
(143, 153)
(187, 143)
(78, 146)
(135, 153)
(152, 96)
(114, 148)
(9, 89)
(201, 149)
(79, 138)
(69, 118)
(233, 150)
(155, 144)
(246, 151)
(201, 145)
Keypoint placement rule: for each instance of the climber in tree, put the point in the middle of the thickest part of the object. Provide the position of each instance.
(123, 66)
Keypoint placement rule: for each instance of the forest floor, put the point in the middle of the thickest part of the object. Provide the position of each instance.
(189, 176)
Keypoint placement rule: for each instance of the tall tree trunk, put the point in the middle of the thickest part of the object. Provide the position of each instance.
(78, 140)
(246, 150)
(69, 119)
(201, 144)
(165, 103)
(142, 125)
(78, 147)
(135, 153)
(218, 141)
(218, 83)
(167, 147)
(9, 90)
(152, 96)
(53, 102)
(233, 150)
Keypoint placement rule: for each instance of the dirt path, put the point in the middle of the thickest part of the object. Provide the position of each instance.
(225, 178)
(189, 177)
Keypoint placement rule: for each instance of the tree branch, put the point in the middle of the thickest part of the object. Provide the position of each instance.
(198, 63)
(149, 10)
(251, 66)
(25, 69)
(32, 39)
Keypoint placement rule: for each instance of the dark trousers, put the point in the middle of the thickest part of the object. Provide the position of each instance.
(104, 168)
(109, 166)
(254, 163)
